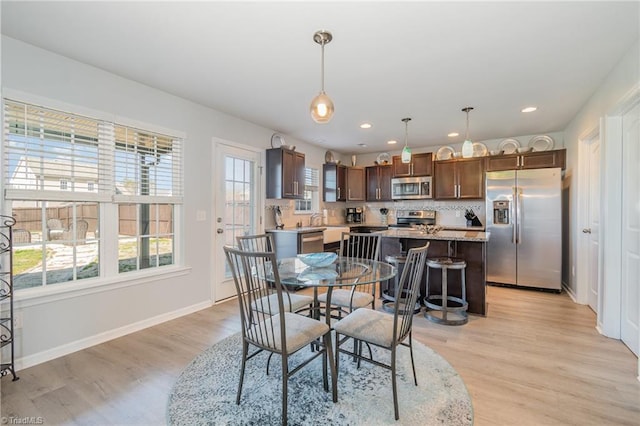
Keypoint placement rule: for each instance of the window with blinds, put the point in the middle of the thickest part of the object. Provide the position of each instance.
(311, 191)
(63, 172)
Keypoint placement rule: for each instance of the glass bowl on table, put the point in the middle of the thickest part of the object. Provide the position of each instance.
(318, 260)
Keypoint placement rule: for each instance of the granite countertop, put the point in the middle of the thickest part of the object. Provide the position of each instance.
(476, 236)
(301, 230)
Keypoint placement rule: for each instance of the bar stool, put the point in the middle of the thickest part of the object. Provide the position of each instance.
(389, 300)
(460, 310)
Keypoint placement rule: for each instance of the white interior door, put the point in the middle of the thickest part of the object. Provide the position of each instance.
(592, 229)
(237, 207)
(630, 300)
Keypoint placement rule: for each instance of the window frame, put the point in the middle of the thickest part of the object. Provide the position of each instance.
(311, 177)
(108, 275)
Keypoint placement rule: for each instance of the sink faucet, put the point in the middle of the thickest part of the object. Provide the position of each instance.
(315, 217)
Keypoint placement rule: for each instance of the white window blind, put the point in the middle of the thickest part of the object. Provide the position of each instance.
(147, 166)
(99, 160)
(44, 147)
(311, 179)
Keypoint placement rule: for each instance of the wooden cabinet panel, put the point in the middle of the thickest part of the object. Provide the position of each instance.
(355, 184)
(529, 160)
(285, 173)
(459, 179)
(334, 179)
(445, 180)
(420, 165)
(378, 183)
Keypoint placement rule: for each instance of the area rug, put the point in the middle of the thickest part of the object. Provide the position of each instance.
(205, 392)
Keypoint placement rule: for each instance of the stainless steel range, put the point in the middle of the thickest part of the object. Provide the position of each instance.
(412, 218)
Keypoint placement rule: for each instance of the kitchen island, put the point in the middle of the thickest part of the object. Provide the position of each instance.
(467, 245)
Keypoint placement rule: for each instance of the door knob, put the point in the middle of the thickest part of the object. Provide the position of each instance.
(586, 231)
(219, 230)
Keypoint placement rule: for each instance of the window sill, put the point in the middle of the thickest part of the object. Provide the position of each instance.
(61, 291)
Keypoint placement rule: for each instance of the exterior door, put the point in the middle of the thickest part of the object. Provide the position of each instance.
(592, 230)
(237, 206)
(630, 294)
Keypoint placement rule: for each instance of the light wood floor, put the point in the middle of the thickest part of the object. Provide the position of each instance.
(536, 359)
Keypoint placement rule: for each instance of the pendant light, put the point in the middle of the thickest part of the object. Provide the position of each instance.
(467, 145)
(406, 152)
(322, 106)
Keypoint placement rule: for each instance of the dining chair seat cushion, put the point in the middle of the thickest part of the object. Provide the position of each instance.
(300, 330)
(366, 324)
(269, 304)
(341, 297)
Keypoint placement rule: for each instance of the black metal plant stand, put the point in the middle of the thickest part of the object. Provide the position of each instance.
(6, 296)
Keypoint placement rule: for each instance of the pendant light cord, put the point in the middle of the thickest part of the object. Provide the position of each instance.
(322, 69)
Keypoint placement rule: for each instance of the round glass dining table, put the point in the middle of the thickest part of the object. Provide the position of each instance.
(343, 272)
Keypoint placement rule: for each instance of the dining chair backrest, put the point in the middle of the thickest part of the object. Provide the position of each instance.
(410, 284)
(360, 245)
(253, 275)
(259, 243)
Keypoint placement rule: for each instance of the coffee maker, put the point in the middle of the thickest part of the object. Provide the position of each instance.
(355, 215)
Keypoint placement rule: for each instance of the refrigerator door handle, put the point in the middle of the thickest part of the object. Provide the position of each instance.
(519, 212)
(514, 237)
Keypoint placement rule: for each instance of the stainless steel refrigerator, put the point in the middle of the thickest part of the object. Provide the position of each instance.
(524, 217)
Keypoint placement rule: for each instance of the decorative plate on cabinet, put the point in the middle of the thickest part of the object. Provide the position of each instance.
(479, 149)
(277, 141)
(509, 146)
(383, 159)
(445, 153)
(328, 157)
(541, 143)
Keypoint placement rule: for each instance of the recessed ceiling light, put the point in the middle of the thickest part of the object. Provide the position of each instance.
(529, 109)
(392, 142)
(365, 126)
(453, 134)
(362, 145)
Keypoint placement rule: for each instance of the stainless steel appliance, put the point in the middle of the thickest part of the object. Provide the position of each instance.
(408, 218)
(355, 215)
(311, 242)
(411, 188)
(524, 218)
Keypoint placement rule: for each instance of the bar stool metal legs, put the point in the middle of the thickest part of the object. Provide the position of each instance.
(438, 308)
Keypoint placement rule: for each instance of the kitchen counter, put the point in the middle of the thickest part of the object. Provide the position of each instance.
(301, 230)
(440, 235)
(468, 245)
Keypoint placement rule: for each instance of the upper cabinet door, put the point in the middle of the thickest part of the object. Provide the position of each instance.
(470, 178)
(285, 173)
(334, 182)
(445, 180)
(420, 165)
(384, 182)
(355, 184)
(529, 160)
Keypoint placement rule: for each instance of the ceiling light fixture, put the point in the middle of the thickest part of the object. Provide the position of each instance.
(392, 142)
(365, 126)
(529, 109)
(406, 152)
(322, 105)
(467, 145)
(453, 134)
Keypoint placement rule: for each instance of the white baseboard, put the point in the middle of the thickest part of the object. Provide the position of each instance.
(49, 354)
(570, 292)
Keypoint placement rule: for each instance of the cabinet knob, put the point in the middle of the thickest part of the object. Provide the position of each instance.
(586, 231)
(219, 230)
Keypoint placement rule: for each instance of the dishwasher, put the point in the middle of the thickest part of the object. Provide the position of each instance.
(311, 242)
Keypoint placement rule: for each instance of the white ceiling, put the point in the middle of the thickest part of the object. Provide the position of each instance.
(388, 60)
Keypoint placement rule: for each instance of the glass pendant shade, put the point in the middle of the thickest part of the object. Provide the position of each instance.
(406, 151)
(467, 145)
(406, 155)
(321, 108)
(467, 149)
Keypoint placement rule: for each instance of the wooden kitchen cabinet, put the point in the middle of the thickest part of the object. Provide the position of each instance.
(420, 165)
(528, 160)
(460, 179)
(356, 184)
(285, 173)
(334, 178)
(378, 182)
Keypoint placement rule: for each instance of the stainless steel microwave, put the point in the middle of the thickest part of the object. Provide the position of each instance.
(411, 188)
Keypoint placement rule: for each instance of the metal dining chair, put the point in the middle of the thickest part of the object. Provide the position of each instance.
(283, 333)
(356, 246)
(293, 302)
(382, 330)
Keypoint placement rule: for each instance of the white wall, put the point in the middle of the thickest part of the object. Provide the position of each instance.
(58, 326)
(624, 77)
